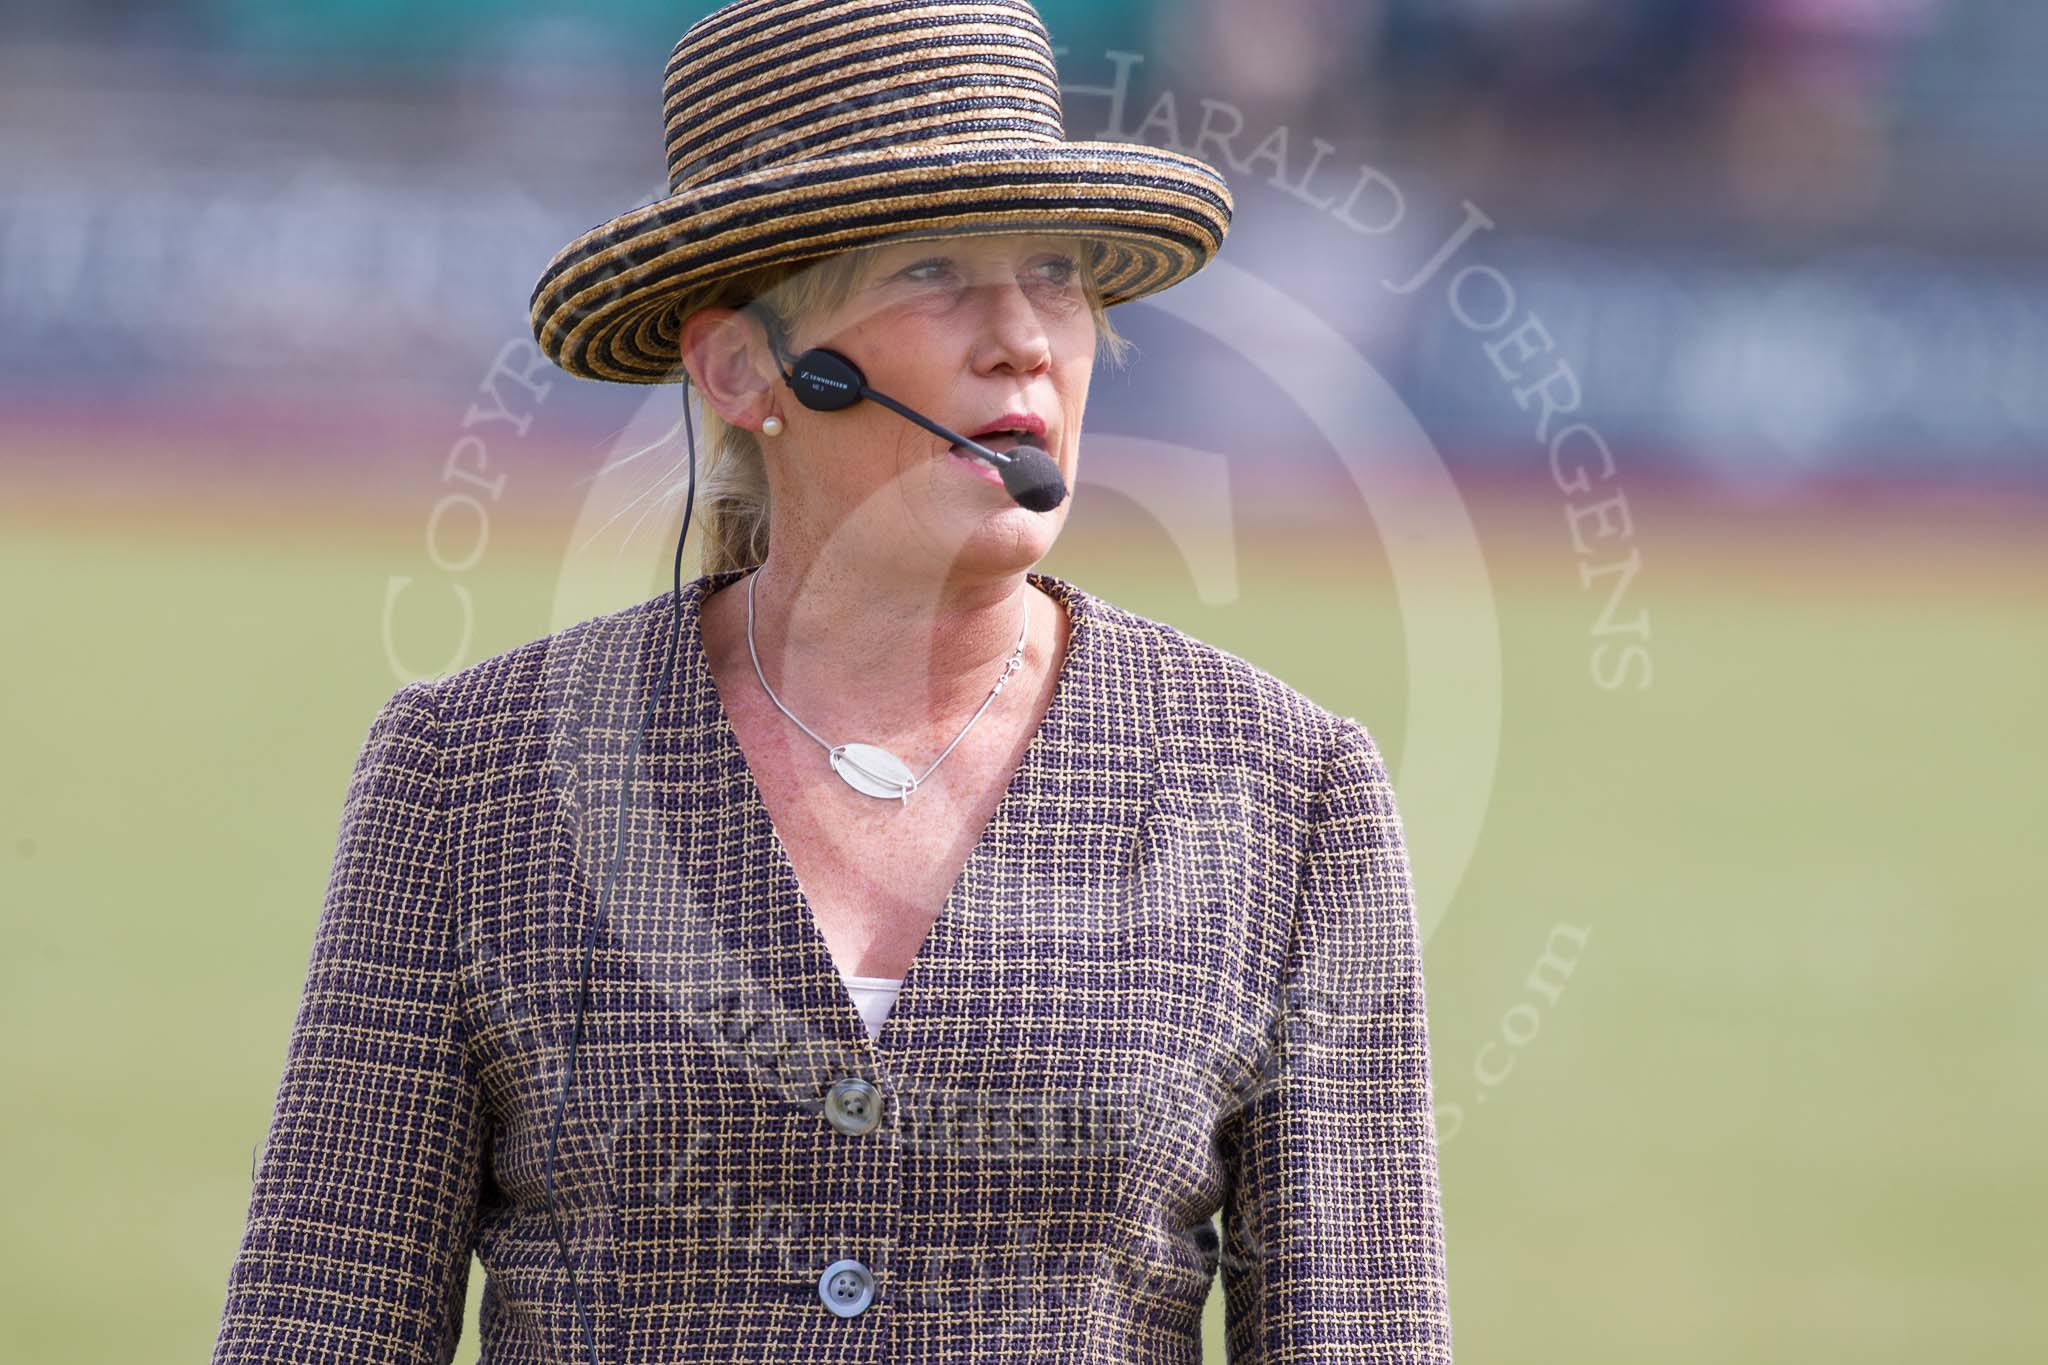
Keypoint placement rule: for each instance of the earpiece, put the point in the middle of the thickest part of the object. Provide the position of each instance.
(825, 381)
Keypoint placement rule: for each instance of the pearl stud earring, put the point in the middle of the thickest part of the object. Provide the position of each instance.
(771, 427)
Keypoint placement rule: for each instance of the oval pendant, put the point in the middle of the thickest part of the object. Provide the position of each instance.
(872, 770)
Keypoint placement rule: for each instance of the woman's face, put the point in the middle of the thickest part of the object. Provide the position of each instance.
(976, 333)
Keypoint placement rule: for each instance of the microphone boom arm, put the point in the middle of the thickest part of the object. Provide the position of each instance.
(996, 457)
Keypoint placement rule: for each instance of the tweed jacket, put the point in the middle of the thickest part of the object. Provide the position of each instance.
(1177, 981)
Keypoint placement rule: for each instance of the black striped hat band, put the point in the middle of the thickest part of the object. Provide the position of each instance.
(796, 129)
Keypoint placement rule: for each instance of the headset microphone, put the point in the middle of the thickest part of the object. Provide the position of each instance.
(826, 381)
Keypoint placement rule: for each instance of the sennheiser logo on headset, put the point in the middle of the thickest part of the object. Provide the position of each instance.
(813, 377)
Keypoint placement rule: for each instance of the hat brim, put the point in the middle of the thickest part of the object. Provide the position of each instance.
(604, 307)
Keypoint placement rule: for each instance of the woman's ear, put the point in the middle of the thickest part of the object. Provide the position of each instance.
(728, 360)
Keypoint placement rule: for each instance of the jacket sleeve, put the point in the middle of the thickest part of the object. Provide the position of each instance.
(363, 1212)
(1333, 1247)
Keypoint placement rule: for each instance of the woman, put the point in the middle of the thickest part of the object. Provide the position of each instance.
(905, 954)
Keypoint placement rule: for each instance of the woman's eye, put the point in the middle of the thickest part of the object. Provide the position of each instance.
(1061, 270)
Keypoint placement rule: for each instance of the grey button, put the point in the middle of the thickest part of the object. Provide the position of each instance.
(847, 1288)
(853, 1105)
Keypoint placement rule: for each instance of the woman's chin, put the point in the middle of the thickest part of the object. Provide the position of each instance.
(999, 535)
(979, 520)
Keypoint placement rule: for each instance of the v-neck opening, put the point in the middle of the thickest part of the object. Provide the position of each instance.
(823, 974)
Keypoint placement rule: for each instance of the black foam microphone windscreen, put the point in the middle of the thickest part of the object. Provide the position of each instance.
(1032, 479)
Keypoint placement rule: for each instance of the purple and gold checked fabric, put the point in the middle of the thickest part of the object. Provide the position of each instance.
(1178, 977)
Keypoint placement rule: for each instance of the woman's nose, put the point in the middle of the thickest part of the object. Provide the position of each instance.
(1014, 335)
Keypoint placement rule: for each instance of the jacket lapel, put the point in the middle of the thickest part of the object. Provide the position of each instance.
(710, 920)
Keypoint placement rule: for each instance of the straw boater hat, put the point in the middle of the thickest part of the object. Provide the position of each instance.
(797, 129)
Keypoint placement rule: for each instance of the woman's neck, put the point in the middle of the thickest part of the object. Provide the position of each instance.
(886, 656)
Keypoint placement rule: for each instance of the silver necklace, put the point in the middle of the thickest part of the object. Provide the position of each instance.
(869, 768)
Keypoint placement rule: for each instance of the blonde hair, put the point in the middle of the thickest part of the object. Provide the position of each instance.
(732, 485)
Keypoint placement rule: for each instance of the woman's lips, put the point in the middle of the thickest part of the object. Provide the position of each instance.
(974, 467)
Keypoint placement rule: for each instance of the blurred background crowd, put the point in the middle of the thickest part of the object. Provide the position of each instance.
(1779, 238)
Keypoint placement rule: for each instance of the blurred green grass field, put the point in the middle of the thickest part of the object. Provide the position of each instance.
(1788, 1106)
